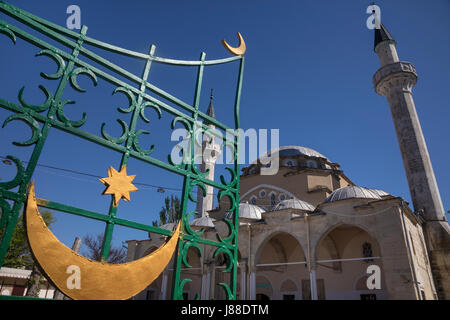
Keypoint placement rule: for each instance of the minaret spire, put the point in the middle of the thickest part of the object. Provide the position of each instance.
(381, 35)
(395, 80)
(210, 111)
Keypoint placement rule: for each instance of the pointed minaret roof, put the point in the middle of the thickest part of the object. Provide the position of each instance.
(381, 35)
(210, 112)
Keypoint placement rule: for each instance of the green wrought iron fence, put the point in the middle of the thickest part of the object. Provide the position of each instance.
(51, 115)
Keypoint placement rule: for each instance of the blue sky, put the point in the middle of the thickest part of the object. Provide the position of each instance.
(308, 72)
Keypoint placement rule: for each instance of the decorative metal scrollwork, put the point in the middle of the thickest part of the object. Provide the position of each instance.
(19, 175)
(78, 60)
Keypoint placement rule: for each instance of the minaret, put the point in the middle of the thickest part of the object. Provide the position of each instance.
(210, 153)
(395, 80)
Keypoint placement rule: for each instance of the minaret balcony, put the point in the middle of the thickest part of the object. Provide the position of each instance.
(400, 75)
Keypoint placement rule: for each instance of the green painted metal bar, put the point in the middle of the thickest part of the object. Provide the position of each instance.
(177, 290)
(72, 210)
(11, 195)
(237, 170)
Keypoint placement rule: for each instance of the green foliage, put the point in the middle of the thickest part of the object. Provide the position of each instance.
(19, 254)
(171, 212)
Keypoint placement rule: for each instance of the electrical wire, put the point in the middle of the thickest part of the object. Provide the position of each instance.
(96, 176)
(225, 200)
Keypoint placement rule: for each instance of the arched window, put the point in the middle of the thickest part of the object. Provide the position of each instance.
(311, 164)
(367, 251)
(289, 290)
(273, 199)
(290, 163)
(282, 197)
(262, 193)
(253, 200)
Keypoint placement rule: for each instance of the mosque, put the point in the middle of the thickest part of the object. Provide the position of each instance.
(308, 232)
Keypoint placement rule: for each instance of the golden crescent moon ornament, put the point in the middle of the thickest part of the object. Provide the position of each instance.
(85, 279)
(240, 50)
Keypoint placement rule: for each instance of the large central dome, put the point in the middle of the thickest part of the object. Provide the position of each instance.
(298, 150)
(290, 151)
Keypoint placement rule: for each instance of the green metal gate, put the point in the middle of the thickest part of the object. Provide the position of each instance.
(52, 117)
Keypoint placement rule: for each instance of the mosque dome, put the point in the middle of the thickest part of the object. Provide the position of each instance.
(291, 151)
(381, 193)
(294, 204)
(168, 226)
(288, 151)
(248, 212)
(203, 222)
(349, 192)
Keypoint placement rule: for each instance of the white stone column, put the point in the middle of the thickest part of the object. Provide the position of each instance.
(313, 284)
(163, 295)
(252, 285)
(212, 281)
(208, 286)
(203, 289)
(243, 293)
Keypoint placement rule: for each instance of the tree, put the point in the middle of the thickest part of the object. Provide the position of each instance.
(19, 254)
(94, 250)
(171, 212)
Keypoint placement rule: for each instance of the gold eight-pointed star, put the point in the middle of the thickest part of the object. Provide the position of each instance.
(119, 184)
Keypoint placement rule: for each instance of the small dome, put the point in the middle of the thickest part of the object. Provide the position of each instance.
(352, 192)
(294, 204)
(203, 222)
(168, 226)
(248, 212)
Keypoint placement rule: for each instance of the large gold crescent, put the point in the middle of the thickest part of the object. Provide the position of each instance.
(239, 51)
(98, 280)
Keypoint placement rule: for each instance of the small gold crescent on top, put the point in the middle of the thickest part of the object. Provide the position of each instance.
(239, 51)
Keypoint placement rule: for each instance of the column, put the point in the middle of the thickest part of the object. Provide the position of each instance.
(252, 285)
(243, 293)
(163, 294)
(313, 284)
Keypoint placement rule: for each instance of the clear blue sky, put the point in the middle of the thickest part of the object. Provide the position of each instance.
(308, 72)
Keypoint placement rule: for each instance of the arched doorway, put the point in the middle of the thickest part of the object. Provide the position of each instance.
(262, 297)
(220, 265)
(192, 289)
(281, 256)
(343, 256)
(289, 290)
(264, 290)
